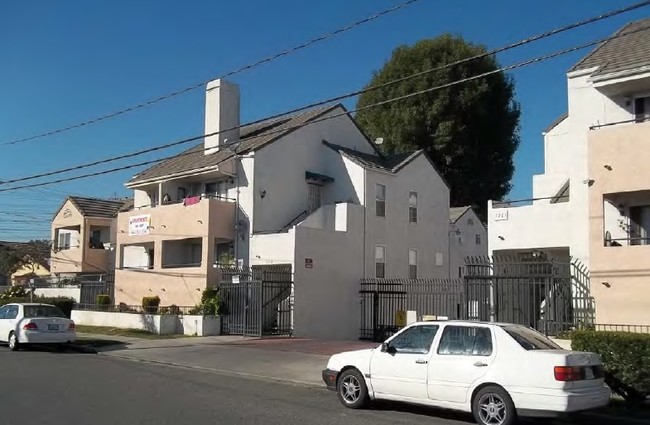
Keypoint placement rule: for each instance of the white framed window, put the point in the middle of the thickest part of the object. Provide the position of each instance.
(380, 200)
(413, 263)
(413, 207)
(64, 240)
(478, 239)
(380, 261)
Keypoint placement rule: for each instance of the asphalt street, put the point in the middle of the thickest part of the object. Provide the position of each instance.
(42, 387)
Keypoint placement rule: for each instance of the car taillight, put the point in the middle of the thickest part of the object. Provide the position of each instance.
(30, 327)
(71, 327)
(568, 373)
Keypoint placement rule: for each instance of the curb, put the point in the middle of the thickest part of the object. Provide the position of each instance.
(297, 383)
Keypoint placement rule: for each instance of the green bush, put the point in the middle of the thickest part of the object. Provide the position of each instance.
(150, 304)
(66, 304)
(211, 302)
(18, 291)
(626, 357)
(103, 301)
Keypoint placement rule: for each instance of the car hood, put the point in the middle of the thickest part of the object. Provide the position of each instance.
(358, 358)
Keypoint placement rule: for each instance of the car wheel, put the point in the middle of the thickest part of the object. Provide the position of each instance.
(492, 405)
(352, 390)
(14, 345)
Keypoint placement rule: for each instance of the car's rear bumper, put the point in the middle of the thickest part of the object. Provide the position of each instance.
(329, 377)
(37, 337)
(562, 401)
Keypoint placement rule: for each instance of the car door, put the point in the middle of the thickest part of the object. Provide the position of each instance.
(4, 330)
(9, 321)
(462, 357)
(400, 367)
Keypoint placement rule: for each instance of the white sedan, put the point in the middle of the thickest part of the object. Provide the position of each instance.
(34, 324)
(495, 371)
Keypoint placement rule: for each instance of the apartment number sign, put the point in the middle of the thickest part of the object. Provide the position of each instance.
(139, 225)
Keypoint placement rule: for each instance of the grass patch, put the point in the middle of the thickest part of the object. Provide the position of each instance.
(131, 333)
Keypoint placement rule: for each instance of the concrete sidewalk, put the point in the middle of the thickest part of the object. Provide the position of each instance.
(297, 361)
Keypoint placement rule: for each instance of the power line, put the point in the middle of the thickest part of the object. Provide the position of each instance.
(396, 99)
(337, 98)
(227, 74)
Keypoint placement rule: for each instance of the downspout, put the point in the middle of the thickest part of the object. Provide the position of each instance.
(365, 216)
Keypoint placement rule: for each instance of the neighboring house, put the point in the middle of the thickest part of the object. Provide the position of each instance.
(593, 200)
(319, 198)
(83, 235)
(467, 238)
(30, 270)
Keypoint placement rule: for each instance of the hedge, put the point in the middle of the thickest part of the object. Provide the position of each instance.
(66, 304)
(626, 357)
(150, 304)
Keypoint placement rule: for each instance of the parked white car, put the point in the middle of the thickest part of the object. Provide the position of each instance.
(495, 371)
(34, 324)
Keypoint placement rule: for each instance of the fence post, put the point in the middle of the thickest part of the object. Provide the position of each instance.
(375, 314)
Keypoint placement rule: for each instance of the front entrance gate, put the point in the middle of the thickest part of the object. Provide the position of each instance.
(259, 300)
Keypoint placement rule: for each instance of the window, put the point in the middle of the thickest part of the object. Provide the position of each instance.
(12, 312)
(641, 109)
(470, 222)
(380, 261)
(417, 339)
(413, 264)
(460, 271)
(3, 311)
(529, 339)
(478, 239)
(465, 341)
(639, 229)
(42, 311)
(313, 197)
(64, 240)
(413, 207)
(96, 239)
(153, 198)
(380, 200)
(182, 253)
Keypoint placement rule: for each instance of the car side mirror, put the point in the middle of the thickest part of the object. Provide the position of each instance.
(387, 348)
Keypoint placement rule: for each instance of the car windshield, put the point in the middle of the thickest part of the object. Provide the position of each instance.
(530, 339)
(42, 311)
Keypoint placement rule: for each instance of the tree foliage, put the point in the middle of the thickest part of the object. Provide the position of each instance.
(470, 130)
(16, 255)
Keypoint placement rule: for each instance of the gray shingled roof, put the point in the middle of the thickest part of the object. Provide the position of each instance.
(389, 163)
(620, 54)
(457, 212)
(100, 208)
(252, 137)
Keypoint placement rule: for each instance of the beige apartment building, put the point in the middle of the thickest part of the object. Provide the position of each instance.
(83, 235)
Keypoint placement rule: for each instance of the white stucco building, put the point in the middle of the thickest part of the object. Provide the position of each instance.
(308, 190)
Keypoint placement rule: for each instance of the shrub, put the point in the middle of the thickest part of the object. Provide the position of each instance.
(173, 310)
(103, 301)
(14, 292)
(150, 304)
(211, 302)
(626, 357)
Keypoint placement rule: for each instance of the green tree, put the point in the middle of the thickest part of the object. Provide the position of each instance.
(470, 130)
(16, 255)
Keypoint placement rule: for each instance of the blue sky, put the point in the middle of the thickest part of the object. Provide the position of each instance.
(64, 62)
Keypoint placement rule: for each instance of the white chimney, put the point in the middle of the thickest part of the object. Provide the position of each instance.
(221, 114)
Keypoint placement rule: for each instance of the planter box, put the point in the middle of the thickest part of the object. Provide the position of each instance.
(166, 324)
(161, 325)
(199, 325)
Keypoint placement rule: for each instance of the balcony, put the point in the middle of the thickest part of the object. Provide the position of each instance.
(195, 217)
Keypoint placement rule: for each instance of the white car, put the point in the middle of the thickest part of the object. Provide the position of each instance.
(34, 324)
(495, 371)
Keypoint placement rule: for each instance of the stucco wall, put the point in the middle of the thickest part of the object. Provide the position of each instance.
(327, 294)
(465, 244)
(280, 171)
(625, 268)
(429, 235)
(68, 260)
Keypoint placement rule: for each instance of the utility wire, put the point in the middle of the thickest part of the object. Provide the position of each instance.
(337, 98)
(227, 74)
(384, 102)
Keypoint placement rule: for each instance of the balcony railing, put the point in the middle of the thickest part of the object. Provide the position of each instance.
(185, 201)
(631, 241)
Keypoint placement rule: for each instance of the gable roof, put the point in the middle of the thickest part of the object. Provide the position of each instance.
(622, 53)
(388, 163)
(455, 213)
(556, 122)
(99, 208)
(253, 137)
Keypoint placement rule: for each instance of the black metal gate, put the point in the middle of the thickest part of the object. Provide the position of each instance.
(549, 295)
(259, 300)
(90, 287)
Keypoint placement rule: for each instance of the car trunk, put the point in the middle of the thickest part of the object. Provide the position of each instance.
(575, 369)
(50, 324)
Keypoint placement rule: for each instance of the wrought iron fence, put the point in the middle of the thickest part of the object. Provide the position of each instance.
(644, 329)
(138, 309)
(258, 300)
(550, 295)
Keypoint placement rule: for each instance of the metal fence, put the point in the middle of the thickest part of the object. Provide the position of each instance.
(643, 329)
(549, 295)
(91, 288)
(138, 309)
(258, 300)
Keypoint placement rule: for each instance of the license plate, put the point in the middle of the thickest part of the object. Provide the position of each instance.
(589, 373)
(52, 327)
